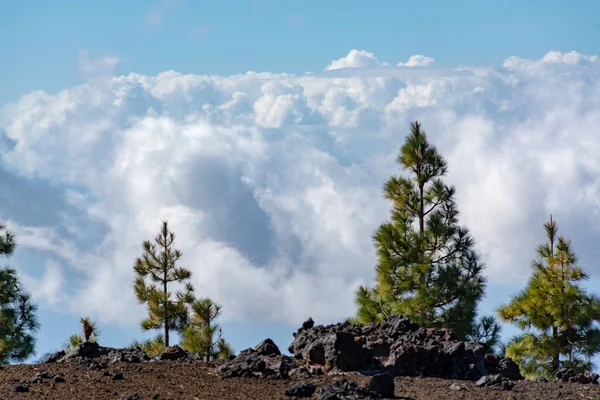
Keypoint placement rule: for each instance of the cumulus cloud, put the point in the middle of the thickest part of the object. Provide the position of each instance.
(356, 59)
(416, 61)
(272, 182)
(552, 57)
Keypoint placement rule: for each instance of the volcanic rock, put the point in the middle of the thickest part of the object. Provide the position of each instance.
(398, 346)
(94, 356)
(265, 361)
(346, 390)
(302, 389)
(382, 384)
(173, 353)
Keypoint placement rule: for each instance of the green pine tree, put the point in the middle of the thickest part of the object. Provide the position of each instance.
(152, 347)
(199, 335)
(428, 269)
(158, 264)
(18, 321)
(487, 332)
(559, 317)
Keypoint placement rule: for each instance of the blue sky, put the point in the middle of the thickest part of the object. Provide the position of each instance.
(41, 39)
(273, 183)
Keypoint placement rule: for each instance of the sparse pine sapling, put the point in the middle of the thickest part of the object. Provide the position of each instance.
(152, 347)
(90, 334)
(158, 265)
(203, 335)
(559, 317)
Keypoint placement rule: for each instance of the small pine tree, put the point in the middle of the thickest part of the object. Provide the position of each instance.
(158, 263)
(428, 269)
(199, 336)
(90, 334)
(152, 347)
(559, 317)
(18, 321)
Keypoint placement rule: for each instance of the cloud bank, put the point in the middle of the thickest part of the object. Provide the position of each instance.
(272, 182)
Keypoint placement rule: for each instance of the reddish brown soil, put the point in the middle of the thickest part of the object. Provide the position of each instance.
(196, 381)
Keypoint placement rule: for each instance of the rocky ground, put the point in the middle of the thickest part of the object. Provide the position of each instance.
(189, 381)
(394, 359)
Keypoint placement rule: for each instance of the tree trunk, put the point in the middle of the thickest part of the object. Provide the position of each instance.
(556, 358)
(165, 316)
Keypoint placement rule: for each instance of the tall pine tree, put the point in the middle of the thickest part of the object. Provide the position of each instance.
(428, 269)
(18, 321)
(158, 263)
(559, 317)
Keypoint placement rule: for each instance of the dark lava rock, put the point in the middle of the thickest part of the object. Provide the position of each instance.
(131, 396)
(382, 384)
(136, 355)
(489, 380)
(495, 381)
(117, 376)
(344, 390)
(505, 367)
(52, 358)
(173, 353)
(309, 323)
(299, 373)
(586, 377)
(267, 347)
(395, 345)
(21, 389)
(302, 389)
(265, 361)
(58, 379)
(96, 357)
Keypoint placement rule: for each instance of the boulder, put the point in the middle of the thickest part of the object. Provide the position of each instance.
(302, 389)
(265, 361)
(382, 384)
(172, 353)
(346, 390)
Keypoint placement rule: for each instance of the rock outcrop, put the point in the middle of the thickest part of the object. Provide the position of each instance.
(91, 354)
(397, 346)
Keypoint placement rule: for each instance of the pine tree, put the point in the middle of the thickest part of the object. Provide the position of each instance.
(559, 317)
(90, 334)
(487, 332)
(428, 269)
(199, 336)
(158, 263)
(18, 321)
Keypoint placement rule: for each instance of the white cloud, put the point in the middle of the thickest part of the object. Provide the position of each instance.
(552, 57)
(356, 59)
(98, 67)
(47, 290)
(272, 182)
(417, 61)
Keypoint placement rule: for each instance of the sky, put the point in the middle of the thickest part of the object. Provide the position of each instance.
(263, 131)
